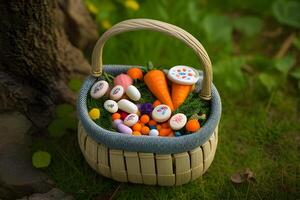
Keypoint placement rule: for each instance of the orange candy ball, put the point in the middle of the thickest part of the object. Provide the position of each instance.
(135, 73)
(137, 127)
(165, 131)
(165, 125)
(116, 116)
(136, 133)
(152, 122)
(192, 125)
(145, 130)
(145, 119)
(156, 103)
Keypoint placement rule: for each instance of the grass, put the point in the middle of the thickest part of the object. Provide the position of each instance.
(259, 128)
(267, 143)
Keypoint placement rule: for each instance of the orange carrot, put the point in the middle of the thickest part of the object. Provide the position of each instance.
(157, 84)
(179, 93)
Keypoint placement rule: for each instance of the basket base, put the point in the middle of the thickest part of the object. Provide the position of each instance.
(148, 168)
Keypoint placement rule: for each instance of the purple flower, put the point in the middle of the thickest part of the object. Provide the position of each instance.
(146, 108)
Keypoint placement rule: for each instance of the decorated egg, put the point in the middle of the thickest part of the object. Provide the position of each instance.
(127, 106)
(117, 122)
(111, 106)
(183, 75)
(124, 80)
(161, 113)
(124, 129)
(116, 92)
(178, 121)
(133, 93)
(131, 119)
(153, 132)
(99, 89)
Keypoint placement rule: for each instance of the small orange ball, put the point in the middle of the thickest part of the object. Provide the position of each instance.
(152, 122)
(135, 73)
(136, 133)
(145, 130)
(116, 116)
(145, 119)
(165, 125)
(165, 131)
(137, 127)
(192, 125)
(158, 127)
(156, 103)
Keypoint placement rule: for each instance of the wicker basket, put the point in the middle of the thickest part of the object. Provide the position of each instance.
(149, 160)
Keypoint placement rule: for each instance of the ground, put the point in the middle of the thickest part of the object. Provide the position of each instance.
(255, 71)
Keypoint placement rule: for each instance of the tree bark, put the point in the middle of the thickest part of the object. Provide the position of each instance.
(37, 58)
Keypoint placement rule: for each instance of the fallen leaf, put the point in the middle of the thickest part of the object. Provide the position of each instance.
(237, 178)
(243, 176)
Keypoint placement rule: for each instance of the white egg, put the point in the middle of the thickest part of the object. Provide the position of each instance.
(99, 89)
(161, 113)
(178, 121)
(131, 119)
(111, 106)
(127, 106)
(133, 93)
(116, 92)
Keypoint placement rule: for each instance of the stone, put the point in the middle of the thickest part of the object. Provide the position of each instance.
(161, 113)
(178, 121)
(99, 89)
(131, 119)
(17, 176)
(116, 92)
(111, 106)
(183, 75)
(53, 194)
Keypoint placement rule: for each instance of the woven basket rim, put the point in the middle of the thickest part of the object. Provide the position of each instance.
(146, 144)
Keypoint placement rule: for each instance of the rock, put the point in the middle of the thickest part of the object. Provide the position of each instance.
(111, 106)
(161, 113)
(131, 119)
(53, 194)
(17, 176)
(99, 89)
(183, 75)
(116, 92)
(178, 121)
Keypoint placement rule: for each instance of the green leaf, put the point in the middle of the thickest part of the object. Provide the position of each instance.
(57, 128)
(268, 81)
(248, 25)
(296, 74)
(41, 159)
(75, 84)
(218, 28)
(287, 12)
(296, 42)
(285, 64)
(64, 110)
(228, 72)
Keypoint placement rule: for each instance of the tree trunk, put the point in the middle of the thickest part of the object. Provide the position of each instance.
(36, 56)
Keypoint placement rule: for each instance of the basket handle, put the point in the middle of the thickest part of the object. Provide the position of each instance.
(154, 25)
